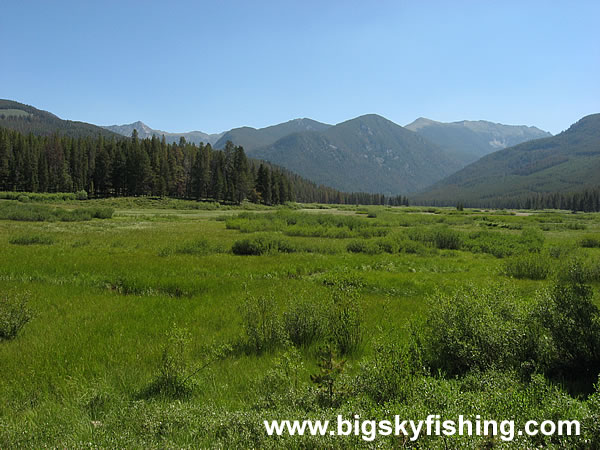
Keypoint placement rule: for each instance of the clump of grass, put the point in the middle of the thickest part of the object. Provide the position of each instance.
(32, 239)
(346, 327)
(263, 328)
(531, 239)
(175, 378)
(440, 237)
(200, 246)
(196, 247)
(14, 314)
(364, 246)
(590, 241)
(560, 251)
(294, 223)
(532, 266)
(260, 245)
(305, 322)
(171, 380)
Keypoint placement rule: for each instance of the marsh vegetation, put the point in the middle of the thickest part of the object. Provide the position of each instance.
(163, 325)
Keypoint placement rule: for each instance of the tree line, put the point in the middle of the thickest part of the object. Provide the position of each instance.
(133, 167)
(586, 200)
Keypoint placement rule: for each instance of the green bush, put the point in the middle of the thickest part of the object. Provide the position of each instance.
(533, 266)
(81, 195)
(571, 323)
(474, 328)
(23, 198)
(387, 373)
(14, 314)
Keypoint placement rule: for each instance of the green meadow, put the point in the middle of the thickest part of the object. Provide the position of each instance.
(156, 323)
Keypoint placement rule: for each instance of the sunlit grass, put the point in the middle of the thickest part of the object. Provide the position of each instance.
(105, 294)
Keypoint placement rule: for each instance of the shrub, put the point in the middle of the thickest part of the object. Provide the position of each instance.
(23, 198)
(32, 239)
(474, 328)
(14, 314)
(385, 375)
(571, 323)
(533, 266)
(81, 195)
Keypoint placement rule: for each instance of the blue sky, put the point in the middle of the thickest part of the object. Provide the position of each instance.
(212, 66)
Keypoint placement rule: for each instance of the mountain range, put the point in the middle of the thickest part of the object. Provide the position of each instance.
(253, 138)
(144, 131)
(368, 153)
(569, 161)
(468, 161)
(470, 140)
(27, 119)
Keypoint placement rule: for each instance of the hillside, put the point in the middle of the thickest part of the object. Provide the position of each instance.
(144, 131)
(566, 162)
(369, 153)
(27, 119)
(470, 140)
(252, 138)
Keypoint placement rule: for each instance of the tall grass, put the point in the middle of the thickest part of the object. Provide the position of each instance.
(42, 213)
(101, 363)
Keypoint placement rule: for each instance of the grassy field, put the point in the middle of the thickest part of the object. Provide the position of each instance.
(178, 324)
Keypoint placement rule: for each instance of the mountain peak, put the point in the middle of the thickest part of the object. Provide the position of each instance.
(421, 122)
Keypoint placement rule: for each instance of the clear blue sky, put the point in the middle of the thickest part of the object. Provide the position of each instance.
(212, 66)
